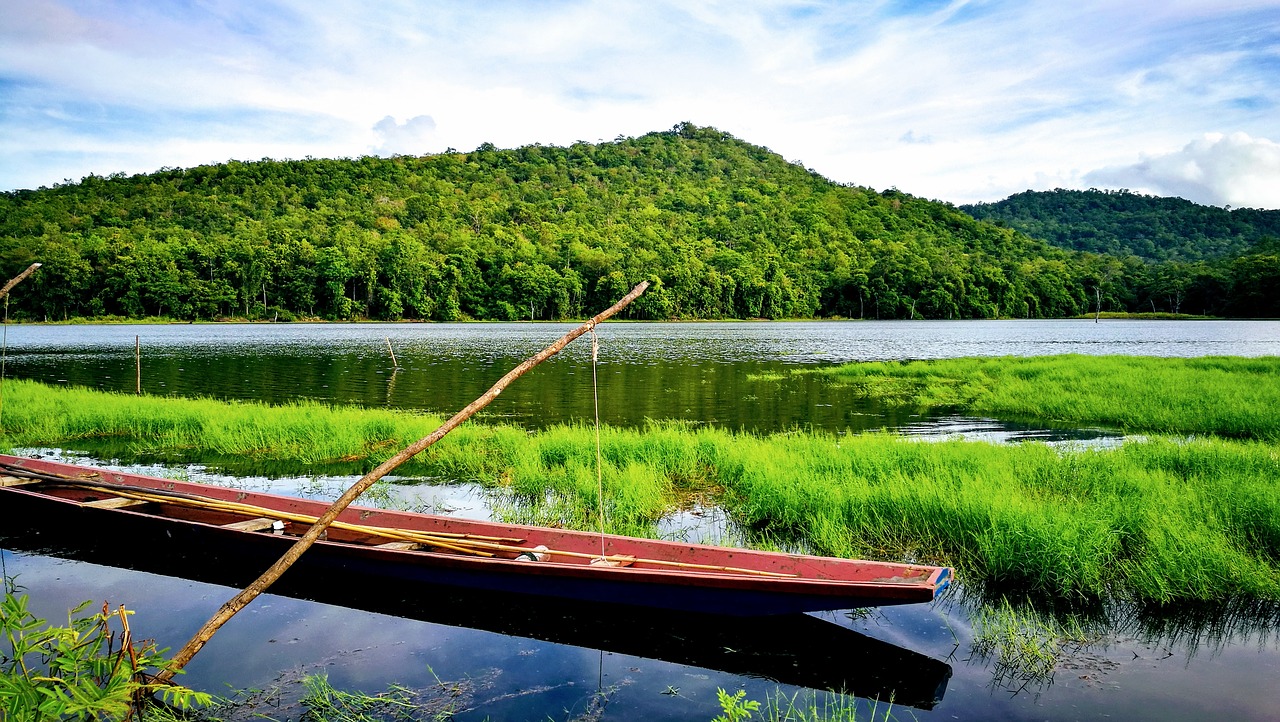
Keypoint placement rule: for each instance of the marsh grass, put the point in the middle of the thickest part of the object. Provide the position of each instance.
(1164, 520)
(1024, 646)
(813, 706)
(1225, 396)
(304, 433)
(302, 697)
(324, 703)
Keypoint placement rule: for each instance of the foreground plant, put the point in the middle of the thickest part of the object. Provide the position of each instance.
(734, 706)
(86, 670)
(809, 706)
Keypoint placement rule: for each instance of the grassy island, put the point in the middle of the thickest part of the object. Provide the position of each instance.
(1224, 396)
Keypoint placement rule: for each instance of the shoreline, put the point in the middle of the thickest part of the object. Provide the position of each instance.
(232, 320)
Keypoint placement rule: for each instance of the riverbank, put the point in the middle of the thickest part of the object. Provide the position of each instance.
(1162, 520)
(303, 318)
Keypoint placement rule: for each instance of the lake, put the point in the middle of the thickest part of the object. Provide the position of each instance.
(499, 659)
(735, 375)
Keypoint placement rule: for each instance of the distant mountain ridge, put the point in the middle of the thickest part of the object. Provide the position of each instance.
(722, 228)
(1122, 223)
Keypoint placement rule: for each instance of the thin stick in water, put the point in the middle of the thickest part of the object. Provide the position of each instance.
(392, 351)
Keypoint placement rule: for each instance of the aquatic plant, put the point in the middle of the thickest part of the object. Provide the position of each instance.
(1024, 646)
(733, 707)
(813, 706)
(85, 670)
(324, 703)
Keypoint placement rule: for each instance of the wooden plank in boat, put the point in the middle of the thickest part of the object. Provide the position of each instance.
(402, 546)
(15, 481)
(258, 524)
(114, 502)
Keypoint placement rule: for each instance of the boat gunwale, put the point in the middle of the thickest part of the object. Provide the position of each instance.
(926, 588)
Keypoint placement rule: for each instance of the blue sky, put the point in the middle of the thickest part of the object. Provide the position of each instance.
(959, 101)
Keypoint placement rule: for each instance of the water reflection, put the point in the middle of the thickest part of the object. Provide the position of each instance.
(968, 428)
(734, 375)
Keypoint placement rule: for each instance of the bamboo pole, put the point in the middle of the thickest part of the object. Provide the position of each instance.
(475, 544)
(4, 293)
(137, 364)
(263, 582)
(390, 350)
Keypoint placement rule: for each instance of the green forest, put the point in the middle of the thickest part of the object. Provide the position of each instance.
(1122, 223)
(722, 229)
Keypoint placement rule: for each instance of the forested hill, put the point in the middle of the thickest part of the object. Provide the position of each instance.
(724, 229)
(1122, 223)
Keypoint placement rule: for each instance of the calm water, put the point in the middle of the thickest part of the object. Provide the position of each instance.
(525, 661)
(731, 374)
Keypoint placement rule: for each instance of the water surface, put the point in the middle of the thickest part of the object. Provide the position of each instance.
(735, 375)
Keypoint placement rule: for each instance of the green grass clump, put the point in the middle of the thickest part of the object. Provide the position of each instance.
(814, 706)
(324, 703)
(1224, 396)
(1024, 646)
(305, 433)
(1067, 523)
(1162, 520)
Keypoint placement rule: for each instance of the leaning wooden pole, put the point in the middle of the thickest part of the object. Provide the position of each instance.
(241, 600)
(18, 279)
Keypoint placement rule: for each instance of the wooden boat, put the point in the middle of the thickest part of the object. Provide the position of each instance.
(253, 529)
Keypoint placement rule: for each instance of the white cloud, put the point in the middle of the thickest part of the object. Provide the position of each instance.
(415, 136)
(1217, 169)
(955, 100)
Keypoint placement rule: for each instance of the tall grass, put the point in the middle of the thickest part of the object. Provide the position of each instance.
(1162, 520)
(1225, 396)
(304, 433)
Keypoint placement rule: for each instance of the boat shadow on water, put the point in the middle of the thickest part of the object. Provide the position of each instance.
(791, 649)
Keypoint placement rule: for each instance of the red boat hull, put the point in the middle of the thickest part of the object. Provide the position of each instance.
(675, 578)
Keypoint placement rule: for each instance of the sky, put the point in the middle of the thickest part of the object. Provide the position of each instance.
(960, 101)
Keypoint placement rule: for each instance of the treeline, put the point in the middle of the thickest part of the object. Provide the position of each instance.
(1182, 257)
(1123, 223)
(722, 228)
